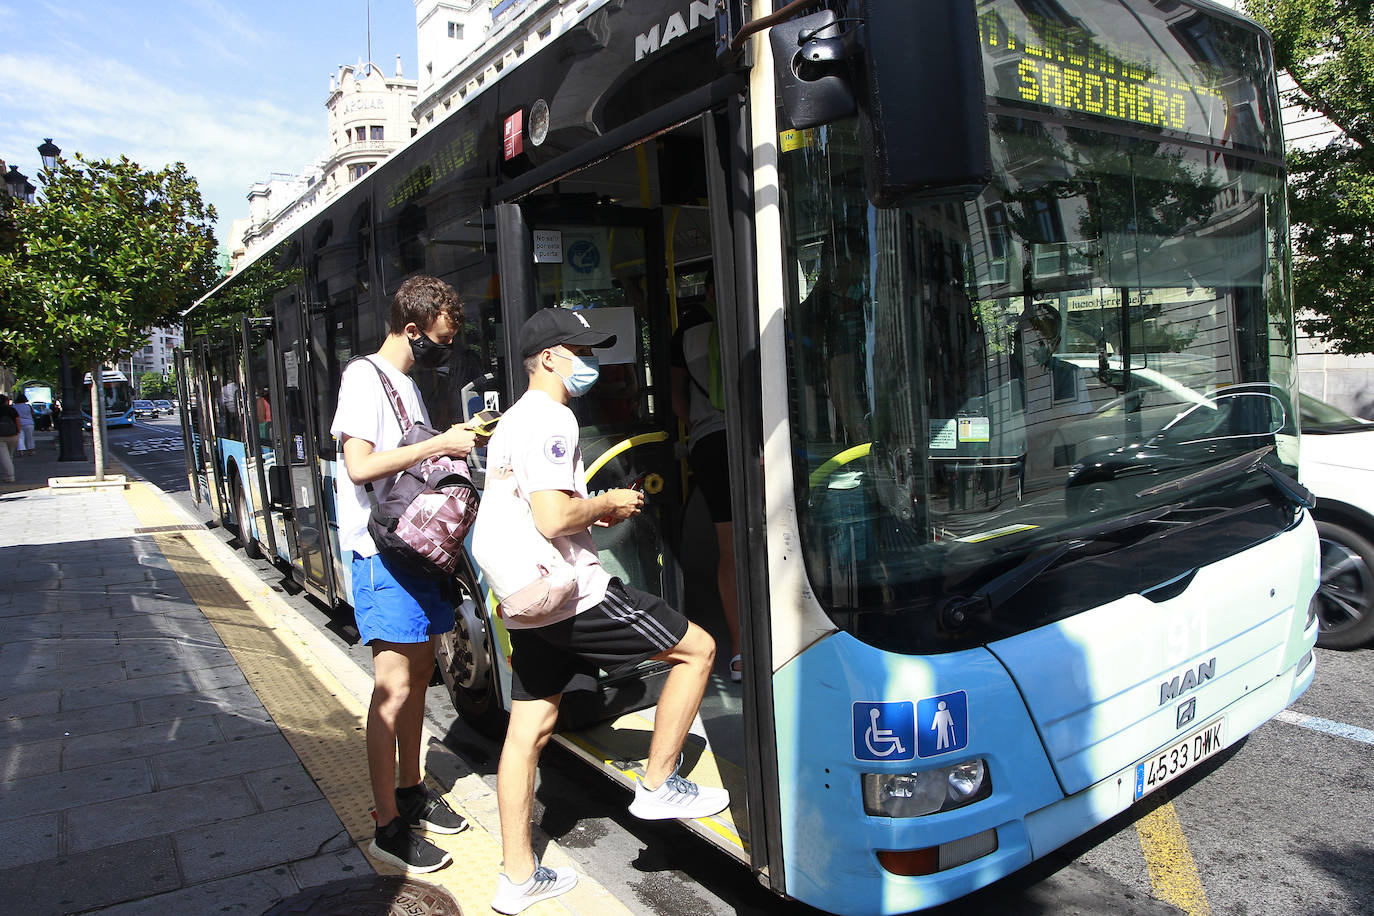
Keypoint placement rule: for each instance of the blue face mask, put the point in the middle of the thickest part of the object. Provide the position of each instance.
(585, 371)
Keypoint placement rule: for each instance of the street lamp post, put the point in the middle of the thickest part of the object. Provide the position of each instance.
(70, 441)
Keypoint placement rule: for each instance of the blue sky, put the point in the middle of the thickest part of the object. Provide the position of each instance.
(233, 88)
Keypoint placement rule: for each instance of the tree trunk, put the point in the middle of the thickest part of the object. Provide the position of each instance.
(98, 418)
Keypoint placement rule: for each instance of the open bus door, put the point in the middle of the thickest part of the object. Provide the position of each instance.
(607, 263)
(613, 265)
(207, 396)
(197, 475)
(260, 448)
(295, 476)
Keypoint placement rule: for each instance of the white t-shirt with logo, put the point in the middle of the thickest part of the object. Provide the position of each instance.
(364, 412)
(538, 439)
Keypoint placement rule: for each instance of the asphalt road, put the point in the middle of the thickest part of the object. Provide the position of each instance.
(1283, 825)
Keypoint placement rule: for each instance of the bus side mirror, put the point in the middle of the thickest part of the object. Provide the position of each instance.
(923, 106)
(811, 57)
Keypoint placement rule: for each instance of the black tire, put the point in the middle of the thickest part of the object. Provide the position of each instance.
(466, 658)
(245, 532)
(1345, 595)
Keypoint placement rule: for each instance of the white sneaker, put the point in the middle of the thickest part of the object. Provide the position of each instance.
(544, 883)
(677, 798)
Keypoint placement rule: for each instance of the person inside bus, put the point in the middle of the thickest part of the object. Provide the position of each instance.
(605, 625)
(846, 314)
(399, 615)
(264, 407)
(699, 402)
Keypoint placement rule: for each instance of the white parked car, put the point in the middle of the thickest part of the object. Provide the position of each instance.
(1338, 467)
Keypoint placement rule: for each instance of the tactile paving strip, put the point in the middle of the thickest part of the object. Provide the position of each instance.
(323, 722)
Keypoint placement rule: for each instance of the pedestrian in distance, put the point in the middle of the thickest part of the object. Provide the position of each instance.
(398, 614)
(9, 438)
(25, 410)
(604, 624)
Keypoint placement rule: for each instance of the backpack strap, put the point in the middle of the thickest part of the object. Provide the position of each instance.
(397, 408)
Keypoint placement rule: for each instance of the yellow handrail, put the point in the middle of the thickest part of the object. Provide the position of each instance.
(624, 445)
(843, 458)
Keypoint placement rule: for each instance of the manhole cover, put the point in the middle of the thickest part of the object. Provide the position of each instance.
(381, 895)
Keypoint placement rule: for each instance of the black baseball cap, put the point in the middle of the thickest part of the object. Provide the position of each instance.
(552, 326)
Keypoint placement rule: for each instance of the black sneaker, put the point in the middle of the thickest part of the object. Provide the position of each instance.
(419, 807)
(397, 845)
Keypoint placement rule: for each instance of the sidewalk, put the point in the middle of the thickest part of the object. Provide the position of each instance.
(177, 740)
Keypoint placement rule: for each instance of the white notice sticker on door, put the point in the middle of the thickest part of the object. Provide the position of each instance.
(548, 246)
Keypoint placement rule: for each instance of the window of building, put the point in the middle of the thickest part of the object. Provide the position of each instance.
(455, 30)
(414, 131)
(377, 131)
(359, 170)
(545, 32)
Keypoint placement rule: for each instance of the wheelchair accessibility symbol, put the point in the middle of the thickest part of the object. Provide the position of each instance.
(885, 731)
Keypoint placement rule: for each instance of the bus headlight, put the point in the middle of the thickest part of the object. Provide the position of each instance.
(926, 792)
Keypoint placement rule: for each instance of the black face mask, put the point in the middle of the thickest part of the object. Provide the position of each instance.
(427, 353)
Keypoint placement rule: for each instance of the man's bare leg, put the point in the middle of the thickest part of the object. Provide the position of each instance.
(531, 725)
(691, 659)
(392, 665)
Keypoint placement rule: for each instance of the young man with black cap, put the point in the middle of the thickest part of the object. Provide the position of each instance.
(605, 625)
(398, 614)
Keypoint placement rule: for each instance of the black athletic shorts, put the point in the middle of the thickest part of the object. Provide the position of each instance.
(712, 473)
(627, 627)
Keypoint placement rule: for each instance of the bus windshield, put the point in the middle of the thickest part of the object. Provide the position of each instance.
(975, 382)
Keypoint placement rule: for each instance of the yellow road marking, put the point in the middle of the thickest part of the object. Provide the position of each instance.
(1173, 873)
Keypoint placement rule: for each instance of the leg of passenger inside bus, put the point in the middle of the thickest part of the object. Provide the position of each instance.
(677, 707)
(530, 727)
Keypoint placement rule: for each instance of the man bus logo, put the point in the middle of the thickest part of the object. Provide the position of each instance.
(1191, 678)
(675, 27)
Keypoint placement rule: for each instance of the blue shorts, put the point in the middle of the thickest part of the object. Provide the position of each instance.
(391, 605)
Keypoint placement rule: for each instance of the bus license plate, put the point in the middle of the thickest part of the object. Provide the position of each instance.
(1178, 758)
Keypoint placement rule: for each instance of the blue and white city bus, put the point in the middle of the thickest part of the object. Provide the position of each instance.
(1007, 342)
(118, 395)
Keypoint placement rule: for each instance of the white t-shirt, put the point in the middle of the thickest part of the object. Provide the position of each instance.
(692, 352)
(25, 413)
(538, 439)
(365, 413)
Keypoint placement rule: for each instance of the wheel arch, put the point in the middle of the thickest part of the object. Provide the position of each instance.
(1345, 514)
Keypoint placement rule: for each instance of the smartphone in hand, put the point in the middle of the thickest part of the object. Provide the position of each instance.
(484, 422)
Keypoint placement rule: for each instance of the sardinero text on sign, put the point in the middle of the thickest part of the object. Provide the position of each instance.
(1065, 66)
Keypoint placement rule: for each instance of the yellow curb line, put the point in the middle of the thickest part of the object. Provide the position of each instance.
(323, 719)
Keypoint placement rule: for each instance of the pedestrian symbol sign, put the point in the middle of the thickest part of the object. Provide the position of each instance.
(942, 724)
(884, 731)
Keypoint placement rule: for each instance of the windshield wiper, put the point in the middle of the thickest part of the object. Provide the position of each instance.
(956, 610)
(1293, 492)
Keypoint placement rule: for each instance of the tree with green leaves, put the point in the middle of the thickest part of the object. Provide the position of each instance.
(110, 251)
(1327, 47)
(153, 386)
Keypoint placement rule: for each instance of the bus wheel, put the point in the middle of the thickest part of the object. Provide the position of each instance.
(466, 662)
(246, 541)
(1345, 597)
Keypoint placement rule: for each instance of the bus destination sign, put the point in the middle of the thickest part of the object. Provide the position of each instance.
(1122, 72)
